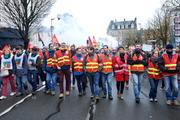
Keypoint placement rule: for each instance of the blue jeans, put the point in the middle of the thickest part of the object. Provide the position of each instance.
(107, 78)
(171, 94)
(32, 78)
(51, 81)
(153, 89)
(94, 83)
(81, 83)
(137, 78)
(21, 83)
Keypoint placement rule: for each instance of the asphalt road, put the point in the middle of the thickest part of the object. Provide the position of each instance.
(46, 107)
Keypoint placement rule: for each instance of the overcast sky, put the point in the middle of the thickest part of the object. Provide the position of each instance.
(94, 15)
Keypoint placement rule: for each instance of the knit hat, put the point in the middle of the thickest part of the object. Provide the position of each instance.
(169, 46)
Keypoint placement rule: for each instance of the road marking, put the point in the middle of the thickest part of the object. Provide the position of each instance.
(17, 103)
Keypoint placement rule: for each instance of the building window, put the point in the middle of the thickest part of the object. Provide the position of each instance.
(113, 27)
(132, 25)
(119, 27)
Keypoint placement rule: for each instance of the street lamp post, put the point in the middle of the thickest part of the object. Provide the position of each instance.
(52, 27)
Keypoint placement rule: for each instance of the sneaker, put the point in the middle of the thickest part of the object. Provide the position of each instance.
(137, 100)
(3, 97)
(176, 103)
(155, 100)
(104, 96)
(92, 96)
(80, 94)
(67, 93)
(84, 92)
(73, 86)
(110, 97)
(127, 87)
(19, 94)
(168, 102)
(118, 95)
(150, 99)
(97, 98)
(53, 93)
(12, 93)
(43, 83)
(47, 91)
(61, 95)
(121, 97)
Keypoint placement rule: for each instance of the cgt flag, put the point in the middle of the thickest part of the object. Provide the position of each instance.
(94, 42)
(89, 42)
(54, 39)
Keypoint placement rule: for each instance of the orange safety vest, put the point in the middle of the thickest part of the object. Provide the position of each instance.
(153, 71)
(92, 65)
(51, 62)
(78, 64)
(59, 58)
(107, 63)
(137, 67)
(64, 59)
(170, 64)
(124, 67)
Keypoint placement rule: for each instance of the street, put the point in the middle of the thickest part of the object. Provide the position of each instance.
(45, 107)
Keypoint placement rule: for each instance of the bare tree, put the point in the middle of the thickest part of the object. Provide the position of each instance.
(25, 15)
(173, 4)
(159, 26)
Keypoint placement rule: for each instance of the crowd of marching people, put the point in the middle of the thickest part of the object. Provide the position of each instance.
(81, 66)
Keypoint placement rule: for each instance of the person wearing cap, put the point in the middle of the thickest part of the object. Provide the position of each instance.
(49, 67)
(137, 60)
(64, 69)
(33, 64)
(22, 71)
(106, 72)
(121, 70)
(92, 65)
(77, 63)
(8, 70)
(169, 66)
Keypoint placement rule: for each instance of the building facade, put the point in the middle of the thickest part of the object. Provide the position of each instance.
(121, 29)
(10, 36)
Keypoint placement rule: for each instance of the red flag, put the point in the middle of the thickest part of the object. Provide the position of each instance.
(89, 42)
(94, 42)
(29, 45)
(54, 39)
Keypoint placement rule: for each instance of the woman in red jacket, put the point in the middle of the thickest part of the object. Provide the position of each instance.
(121, 70)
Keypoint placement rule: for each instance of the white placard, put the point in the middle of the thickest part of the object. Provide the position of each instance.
(147, 47)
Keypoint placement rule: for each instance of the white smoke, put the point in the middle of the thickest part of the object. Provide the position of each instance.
(69, 31)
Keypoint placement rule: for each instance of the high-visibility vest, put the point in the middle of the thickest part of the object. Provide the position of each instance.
(107, 63)
(7, 63)
(78, 64)
(59, 58)
(153, 70)
(51, 62)
(19, 61)
(123, 68)
(33, 61)
(92, 65)
(64, 59)
(137, 67)
(170, 64)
